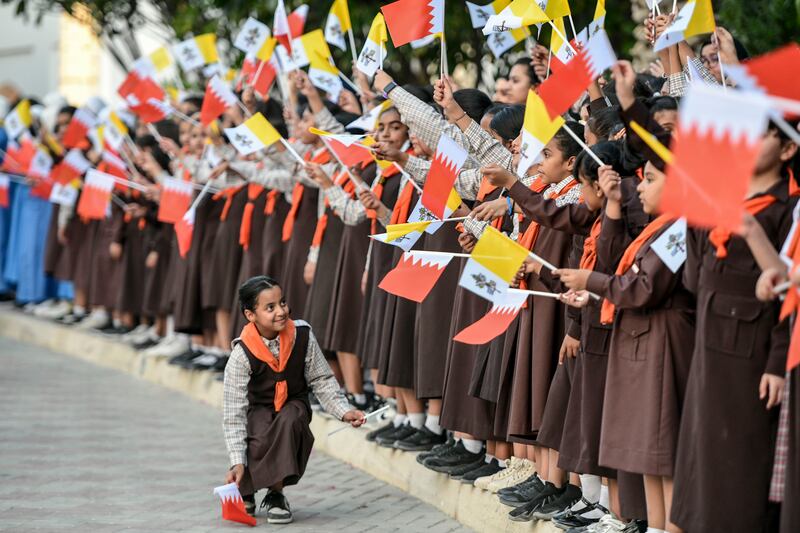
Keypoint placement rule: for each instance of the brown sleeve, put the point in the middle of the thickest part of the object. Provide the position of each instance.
(638, 112)
(611, 244)
(572, 218)
(779, 348)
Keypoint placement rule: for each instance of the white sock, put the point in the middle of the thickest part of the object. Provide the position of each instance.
(472, 446)
(591, 487)
(360, 398)
(78, 310)
(604, 497)
(417, 420)
(432, 423)
(399, 420)
(654, 530)
(502, 463)
(488, 458)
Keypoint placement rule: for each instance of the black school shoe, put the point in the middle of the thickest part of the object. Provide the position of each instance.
(250, 504)
(375, 433)
(523, 493)
(388, 439)
(436, 450)
(454, 457)
(421, 440)
(458, 472)
(562, 502)
(524, 513)
(278, 510)
(570, 519)
(185, 358)
(487, 469)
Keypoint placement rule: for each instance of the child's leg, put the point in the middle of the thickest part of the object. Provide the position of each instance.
(432, 418)
(351, 372)
(666, 483)
(654, 495)
(520, 450)
(223, 328)
(555, 475)
(502, 450)
(415, 409)
(613, 497)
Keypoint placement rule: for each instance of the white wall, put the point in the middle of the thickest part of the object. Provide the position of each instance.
(29, 53)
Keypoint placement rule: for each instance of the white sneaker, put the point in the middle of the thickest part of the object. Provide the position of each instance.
(96, 319)
(517, 476)
(134, 334)
(169, 347)
(607, 524)
(59, 310)
(42, 308)
(29, 308)
(511, 465)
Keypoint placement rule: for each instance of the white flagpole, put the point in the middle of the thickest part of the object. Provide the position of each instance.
(572, 25)
(563, 37)
(370, 415)
(352, 46)
(358, 181)
(583, 145)
(293, 152)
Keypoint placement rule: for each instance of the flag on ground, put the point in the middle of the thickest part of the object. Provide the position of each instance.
(233, 505)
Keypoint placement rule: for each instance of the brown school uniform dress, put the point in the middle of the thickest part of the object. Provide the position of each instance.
(227, 250)
(272, 250)
(397, 345)
(298, 232)
(104, 285)
(460, 411)
(54, 253)
(160, 241)
(133, 238)
(727, 440)
(210, 210)
(81, 235)
(278, 443)
(380, 263)
(649, 357)
(251, 239)
(343, 329)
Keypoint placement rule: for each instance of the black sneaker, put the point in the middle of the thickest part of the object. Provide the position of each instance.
(532, 479)
(374, 402)
(563, 502)
(184, 358)
(278, 510)
(375, 433)
(457, 472)
(361, 406)
(522, 493)
(569, 519)
(72, 318)
(146, 343)
(524, 513)
(487, 469)
(436, 450)
(421, 440)
(388, 439)
(456, 456)
(250, 504)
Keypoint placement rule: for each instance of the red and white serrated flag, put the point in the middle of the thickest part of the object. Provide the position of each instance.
(96, 195)
(73, 166)
(218, 98)
(82, 121)
(415, 274)
(233, 505)
(567, 84)
(260, 75)
(347, 148)
(5, 183)
(767, 73)
(176, 197)
(140, 101)
(410, 20)
(184, 230)
(446, 165)
(496, 321)
(709, 191)
(280, 27)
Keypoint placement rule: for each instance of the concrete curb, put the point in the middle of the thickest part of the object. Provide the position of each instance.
(472, 507)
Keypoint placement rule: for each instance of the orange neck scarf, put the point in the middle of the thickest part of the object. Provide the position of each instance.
(378, 191)
(272, 199)
(228, 194)
(607, 311)
(252, 339)
(720, 236)
(403, 205)
(589, 257)
(253, 190)
(288, 224)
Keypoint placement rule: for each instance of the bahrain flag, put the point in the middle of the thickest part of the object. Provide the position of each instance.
(415, 274)
(446, 165)
(496, 321)
(218, 98)
(184, 230)
(176, 197)
(82, 121)
(96, 195)
(233, 505)
(410, 20)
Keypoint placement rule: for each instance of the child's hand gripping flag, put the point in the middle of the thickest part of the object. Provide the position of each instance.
(254, 134)
(493, 265)
(695, 18)
(233, 505)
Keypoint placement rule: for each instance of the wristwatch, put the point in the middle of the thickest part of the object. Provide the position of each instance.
(389, 88)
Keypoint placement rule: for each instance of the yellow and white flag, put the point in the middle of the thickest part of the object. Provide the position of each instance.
(325, 77)
(555, 8)
(252, 37)
(338, 24)
(492, 265)
(18, 120)
(695, 18)
(114, 131)
(310, 49)
(516, 15)
(195, 52)
(374, 51)
(369, 120)
(599, 20)
(479, 14)
(254, 134)
(537, 130)
(558, 46)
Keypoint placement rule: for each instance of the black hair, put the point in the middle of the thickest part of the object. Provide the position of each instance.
(345, 118)
(662, 103)
(168, 129)
(494, 109)
(67, 110)
(741, 50)
(605, 122)
(195, 101)
(151, 144)
(273, 112)
(424, 93)
(507, 122)
(609, 153)
(473, 102)
(250, 289)
(569, 147)
(790, 168)
(526, 62)
(642, 86)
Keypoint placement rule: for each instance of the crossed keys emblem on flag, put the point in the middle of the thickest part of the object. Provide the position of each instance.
(501, 27)
(489, 286)
(188, 54)
(425, 214)
(336, 31)
(676, 243)
(568, 53)
(498, 39)
(482, 14)
(242, 140)
(367, 57)
(252, 37)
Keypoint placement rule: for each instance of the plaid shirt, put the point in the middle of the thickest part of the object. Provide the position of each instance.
(778, 482)
(423, 120)
(318, 375)
(677, 83)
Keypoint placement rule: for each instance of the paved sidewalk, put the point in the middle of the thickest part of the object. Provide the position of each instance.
(84, 448)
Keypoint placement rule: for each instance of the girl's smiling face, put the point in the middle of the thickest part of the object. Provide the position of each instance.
(554, 167)
(391, 130)
(650, 188)
(270, 313)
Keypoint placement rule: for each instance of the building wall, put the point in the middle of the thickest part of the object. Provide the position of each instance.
(29, 52)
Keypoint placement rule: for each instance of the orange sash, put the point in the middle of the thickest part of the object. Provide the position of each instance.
(720, 236)
(607, 311)
(403, 205)
(589, 257)
(228, 194)
(253, 190)
(378, 191)
(297, 195)
(272, 199)
(252, 339)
